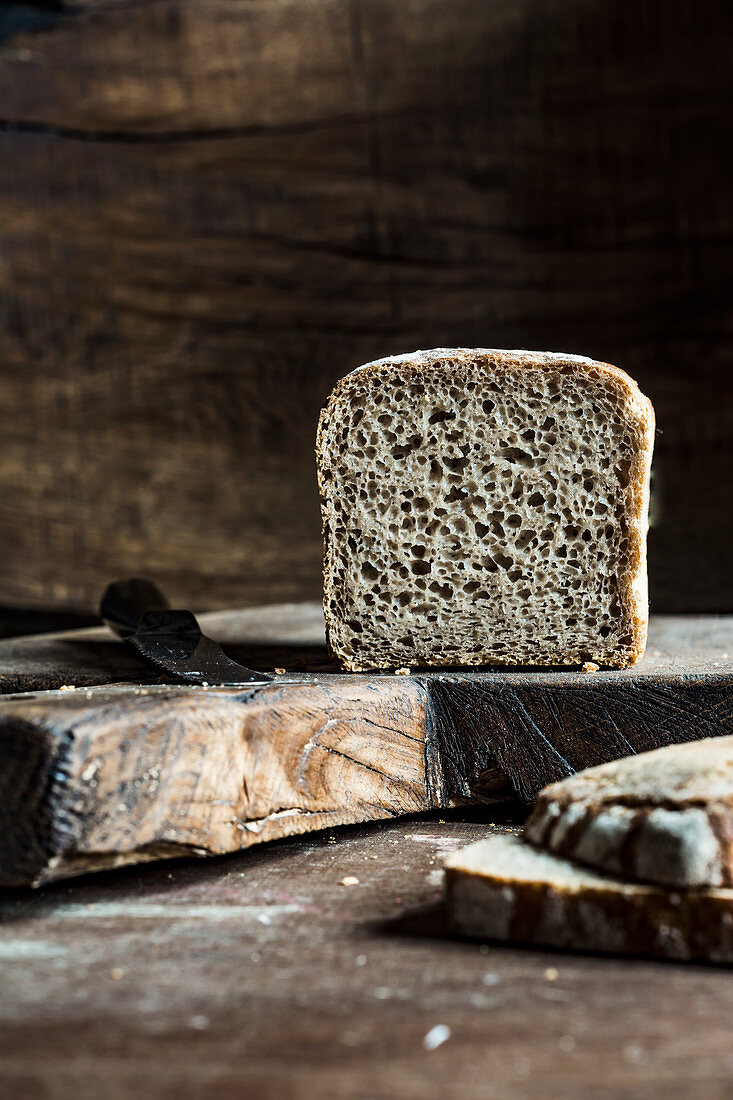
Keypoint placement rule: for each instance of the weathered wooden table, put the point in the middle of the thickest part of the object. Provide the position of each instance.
(262, 975)
(269, 973)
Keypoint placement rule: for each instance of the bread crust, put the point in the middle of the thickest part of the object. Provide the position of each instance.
(503, 889)
(633, 591)
(664, 816)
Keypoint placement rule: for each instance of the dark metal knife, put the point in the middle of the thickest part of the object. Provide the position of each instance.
(138, 612)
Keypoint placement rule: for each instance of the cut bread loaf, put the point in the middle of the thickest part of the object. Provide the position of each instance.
(485, 507)
(663, 817)
(503, 888)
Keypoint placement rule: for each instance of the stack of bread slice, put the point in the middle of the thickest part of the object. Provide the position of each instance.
(632, 857)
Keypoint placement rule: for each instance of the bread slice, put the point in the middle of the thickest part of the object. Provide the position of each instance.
(663, 817)
(503, 888)
(485, 507)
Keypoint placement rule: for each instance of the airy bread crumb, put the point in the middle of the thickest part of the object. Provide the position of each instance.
(485, 507)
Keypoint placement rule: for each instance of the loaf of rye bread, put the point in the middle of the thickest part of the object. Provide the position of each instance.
(485, 507)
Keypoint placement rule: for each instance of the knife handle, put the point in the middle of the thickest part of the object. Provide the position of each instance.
(125, 602)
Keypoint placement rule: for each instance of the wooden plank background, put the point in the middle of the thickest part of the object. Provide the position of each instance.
(211, 209)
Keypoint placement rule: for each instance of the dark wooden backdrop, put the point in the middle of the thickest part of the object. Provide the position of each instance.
(211, 209)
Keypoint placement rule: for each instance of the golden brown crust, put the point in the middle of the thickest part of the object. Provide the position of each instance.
(640, 414)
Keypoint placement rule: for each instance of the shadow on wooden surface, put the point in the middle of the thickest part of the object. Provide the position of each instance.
(262, 975)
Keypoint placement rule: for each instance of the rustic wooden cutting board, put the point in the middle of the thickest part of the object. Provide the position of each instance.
(101, 764)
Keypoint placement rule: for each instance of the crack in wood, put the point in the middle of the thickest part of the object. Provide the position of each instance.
(382, 726)
(345, 121)
(305, 757)
(358, 763)
(254, 823)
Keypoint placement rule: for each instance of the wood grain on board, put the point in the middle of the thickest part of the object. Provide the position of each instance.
(212, 209)
(94, 776)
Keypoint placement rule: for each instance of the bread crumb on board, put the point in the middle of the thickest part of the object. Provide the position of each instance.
(402, 671)
(590, 666)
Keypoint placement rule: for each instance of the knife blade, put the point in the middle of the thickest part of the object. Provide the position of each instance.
(172, 640)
